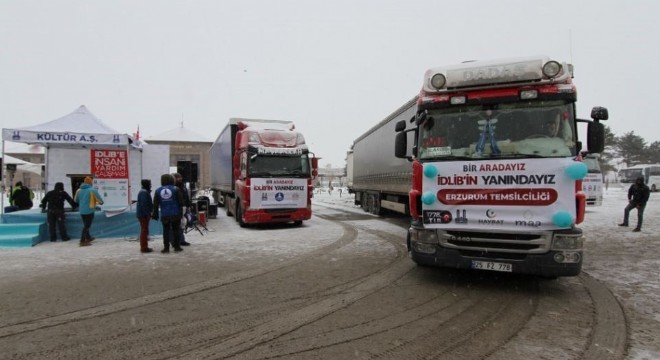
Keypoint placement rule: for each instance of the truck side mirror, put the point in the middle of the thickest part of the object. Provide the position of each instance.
(599, 113)
(420, 118)
(400, 126)
(596, 136)
(401, 144)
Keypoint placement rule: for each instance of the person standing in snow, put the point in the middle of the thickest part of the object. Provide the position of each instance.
(178, 182)
(145, 207)
(87, 198)
(169, 200)
(53, 203)
(638, 195)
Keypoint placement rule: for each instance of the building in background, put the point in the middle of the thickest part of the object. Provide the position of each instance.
(331, 176)
(187, 145)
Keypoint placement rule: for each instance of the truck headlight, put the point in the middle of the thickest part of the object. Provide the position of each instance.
(568, 257)
(423, 248)
(424, 236)
(567, 242)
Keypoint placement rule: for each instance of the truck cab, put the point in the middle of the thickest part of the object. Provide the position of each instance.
(264, 172)
(495, 182)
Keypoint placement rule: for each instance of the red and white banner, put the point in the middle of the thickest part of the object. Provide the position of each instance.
(110, 171)
(272, 193)
(110, 164)
(498, 194)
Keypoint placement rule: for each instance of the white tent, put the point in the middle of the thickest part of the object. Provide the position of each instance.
(69, 139)
(22, 165)
(89, 131)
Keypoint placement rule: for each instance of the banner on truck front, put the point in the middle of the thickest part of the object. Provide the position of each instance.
(497, 194)
(273, 193)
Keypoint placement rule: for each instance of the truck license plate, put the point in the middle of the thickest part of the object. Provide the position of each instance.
(492, 266)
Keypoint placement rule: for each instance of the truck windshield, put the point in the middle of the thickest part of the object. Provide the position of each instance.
(279, 166)
(508, 130)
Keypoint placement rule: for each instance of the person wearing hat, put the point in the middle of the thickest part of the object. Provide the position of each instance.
(638, 196)
(53, 203)
(145, 207)
(87, 198)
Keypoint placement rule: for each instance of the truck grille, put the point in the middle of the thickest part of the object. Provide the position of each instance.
(485, 242)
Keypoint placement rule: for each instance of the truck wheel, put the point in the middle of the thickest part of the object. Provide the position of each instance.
(374, 204)
(227, 208)
(368, 203)
(297, 223)
(364, 202)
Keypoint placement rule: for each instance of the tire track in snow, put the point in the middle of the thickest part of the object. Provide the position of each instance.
(349, 235)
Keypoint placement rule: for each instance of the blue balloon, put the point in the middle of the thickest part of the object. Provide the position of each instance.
(562, 219)
(430, 171)
(428, 198)
(576, 170)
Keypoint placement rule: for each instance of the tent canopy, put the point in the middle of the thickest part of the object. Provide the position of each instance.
(12, 160)
(79, 128)
(22, 165)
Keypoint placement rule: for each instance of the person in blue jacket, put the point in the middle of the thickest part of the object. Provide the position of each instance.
(145, 207)
(169, 200)
(87, 199)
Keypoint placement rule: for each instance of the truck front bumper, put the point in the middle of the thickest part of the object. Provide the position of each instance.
(279, 215)
(541, 264)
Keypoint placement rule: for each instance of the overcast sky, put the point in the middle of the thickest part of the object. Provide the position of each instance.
(335, 68)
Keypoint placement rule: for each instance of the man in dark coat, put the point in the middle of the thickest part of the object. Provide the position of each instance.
(638, 195)
(178, 182)
(145, 207)
(53, 202)
(169, 200)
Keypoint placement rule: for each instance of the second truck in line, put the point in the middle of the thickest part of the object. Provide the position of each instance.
(261, 170)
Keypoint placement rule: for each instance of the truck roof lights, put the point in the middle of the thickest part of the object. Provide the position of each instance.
(438, 81)
(551, 69)
(533, 70)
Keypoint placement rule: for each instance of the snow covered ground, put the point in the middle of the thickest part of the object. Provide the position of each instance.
(626, 262)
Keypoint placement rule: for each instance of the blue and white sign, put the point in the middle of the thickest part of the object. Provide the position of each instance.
(271, 193)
